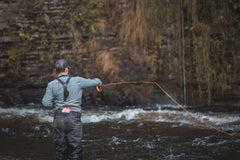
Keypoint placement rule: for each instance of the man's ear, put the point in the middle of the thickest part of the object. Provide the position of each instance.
(66, 70)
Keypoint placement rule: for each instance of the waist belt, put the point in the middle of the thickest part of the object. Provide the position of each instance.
(60, 113)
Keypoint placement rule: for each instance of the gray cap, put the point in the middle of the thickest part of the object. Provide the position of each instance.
(63, 63)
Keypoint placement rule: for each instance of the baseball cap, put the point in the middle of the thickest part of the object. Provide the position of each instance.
(62, 63)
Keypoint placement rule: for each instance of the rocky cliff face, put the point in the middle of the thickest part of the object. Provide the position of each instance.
(115, 40)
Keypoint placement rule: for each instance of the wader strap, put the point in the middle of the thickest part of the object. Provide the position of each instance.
(66, 93)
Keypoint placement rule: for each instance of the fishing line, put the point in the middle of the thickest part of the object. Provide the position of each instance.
(99, 89)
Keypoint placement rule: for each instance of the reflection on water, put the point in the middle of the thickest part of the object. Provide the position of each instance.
(158, 132)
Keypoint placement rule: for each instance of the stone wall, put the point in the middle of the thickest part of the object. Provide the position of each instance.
(34, 34)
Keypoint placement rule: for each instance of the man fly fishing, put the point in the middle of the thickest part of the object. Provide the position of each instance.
(65, 94)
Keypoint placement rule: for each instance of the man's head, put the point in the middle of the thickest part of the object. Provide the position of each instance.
(61, 66)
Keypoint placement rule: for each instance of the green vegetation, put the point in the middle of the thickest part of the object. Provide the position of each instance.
(210, 26)
(149, 33)
(208, 34)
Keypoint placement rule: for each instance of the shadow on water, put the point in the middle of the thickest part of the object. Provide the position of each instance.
(133, 133)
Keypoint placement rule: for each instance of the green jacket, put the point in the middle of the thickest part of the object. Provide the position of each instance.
(54, 95)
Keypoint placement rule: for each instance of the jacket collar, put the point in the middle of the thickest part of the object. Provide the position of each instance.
(62, 75)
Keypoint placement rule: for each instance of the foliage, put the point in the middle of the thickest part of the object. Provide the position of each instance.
(149, 33)
(207, 39)
(39, 32)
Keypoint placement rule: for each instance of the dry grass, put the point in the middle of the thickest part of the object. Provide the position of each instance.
(108, 63)
(134, 26)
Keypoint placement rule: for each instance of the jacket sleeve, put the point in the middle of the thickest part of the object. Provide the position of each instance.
(85, 83)
(48, 97)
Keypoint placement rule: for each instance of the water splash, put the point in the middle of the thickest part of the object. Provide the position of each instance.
(163, 113)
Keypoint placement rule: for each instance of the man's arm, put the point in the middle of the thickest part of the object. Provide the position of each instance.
(48, 97)
(85, 83)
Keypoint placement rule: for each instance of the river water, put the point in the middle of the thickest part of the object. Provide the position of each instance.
(153, 132)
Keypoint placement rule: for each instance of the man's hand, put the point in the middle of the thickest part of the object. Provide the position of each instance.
(99, 87)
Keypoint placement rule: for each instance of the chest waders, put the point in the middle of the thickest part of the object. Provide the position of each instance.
(67, 130)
